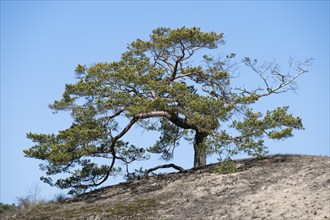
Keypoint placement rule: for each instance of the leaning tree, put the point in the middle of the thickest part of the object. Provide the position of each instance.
(157, 86)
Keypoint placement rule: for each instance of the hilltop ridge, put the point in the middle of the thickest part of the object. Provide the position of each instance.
(275, 187)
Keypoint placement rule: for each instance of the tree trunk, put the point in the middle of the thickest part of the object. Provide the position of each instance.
(200, 149)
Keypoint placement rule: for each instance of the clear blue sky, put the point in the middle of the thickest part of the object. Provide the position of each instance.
(43, 41)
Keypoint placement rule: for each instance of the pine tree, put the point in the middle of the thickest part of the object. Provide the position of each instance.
(156, 86)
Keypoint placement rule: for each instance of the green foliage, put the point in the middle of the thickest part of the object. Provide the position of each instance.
(60, 197)
(168, 141)
(225, 167)
(140, 209)
(154, 85)
(136, 174)
(6, 207)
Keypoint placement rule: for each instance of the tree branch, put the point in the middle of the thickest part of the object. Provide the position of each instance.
(284, 81)
(282, 85)
(171, 165)
(178, 61)
(108, 118)
(172, 117)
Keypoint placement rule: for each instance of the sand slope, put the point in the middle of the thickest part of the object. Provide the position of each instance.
(276, 187)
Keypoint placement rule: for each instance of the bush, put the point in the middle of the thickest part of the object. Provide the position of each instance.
(25, 202)
(6, 207)
(225, 167)
(59, 197)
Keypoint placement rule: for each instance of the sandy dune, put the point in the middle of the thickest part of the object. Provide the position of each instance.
(276, 187)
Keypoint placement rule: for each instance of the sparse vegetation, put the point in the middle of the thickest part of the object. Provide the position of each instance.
(139, 209)
(275, 187)
(225, 167)
(61, 197)
(6, 207)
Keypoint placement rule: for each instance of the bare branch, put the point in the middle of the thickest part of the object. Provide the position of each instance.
(171, 165)
(285, 81)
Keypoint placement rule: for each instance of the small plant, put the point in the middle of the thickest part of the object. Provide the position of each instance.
(225, 167)
(135, 175)
(32, 198)
(59, 197)
(6, 207)
(138, 209)
(24, 202)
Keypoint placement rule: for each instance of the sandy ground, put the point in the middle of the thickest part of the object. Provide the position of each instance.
(277, 187)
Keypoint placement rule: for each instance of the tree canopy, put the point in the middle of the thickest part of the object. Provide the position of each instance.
(157, 86)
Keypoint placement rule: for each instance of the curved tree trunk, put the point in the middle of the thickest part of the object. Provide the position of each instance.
(200, 149)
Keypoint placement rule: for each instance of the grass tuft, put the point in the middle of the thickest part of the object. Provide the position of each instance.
(225, 167)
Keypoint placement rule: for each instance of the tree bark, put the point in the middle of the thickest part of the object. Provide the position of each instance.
(200, 149)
